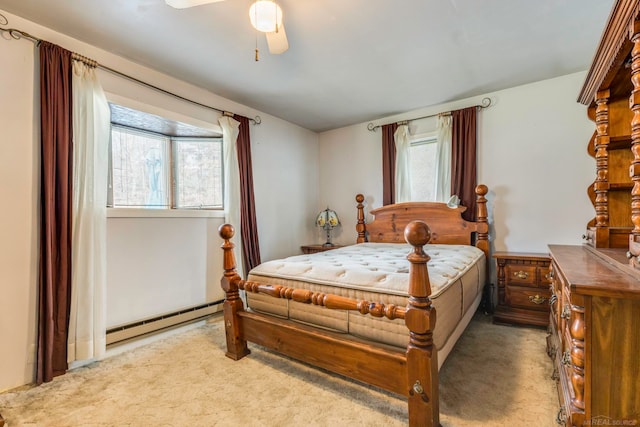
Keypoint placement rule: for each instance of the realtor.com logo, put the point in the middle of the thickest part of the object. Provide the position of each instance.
(606, 421)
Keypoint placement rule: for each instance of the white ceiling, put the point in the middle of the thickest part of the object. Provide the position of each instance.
(349, 61)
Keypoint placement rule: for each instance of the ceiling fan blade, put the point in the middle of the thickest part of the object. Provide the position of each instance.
(183, 4)
(277, 41)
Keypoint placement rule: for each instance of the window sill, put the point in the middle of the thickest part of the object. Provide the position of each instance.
(163, 213)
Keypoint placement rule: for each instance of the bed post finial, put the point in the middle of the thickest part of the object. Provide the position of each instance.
(361, 227)
(236, 346)
(420, 318)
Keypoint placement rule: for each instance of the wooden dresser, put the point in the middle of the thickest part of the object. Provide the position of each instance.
(595, 303)
(523, 288)
(594, 337)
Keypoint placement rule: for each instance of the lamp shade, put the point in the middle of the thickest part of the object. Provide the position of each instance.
(265, 16)
(327, 219)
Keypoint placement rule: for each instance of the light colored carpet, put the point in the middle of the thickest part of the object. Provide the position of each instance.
(495, 376)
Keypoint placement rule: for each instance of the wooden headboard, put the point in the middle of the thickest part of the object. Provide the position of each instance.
(446, 224)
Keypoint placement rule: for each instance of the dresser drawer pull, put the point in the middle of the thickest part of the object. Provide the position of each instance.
(549, 275)
(521, 274)
(566, 312)
(553, 299)
(561, 418)
(537, 299)
(566, 358)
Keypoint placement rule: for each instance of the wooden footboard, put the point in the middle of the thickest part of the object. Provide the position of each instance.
(413, 373)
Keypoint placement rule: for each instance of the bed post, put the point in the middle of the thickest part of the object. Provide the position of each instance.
(361, 227)
(482, 238)
(482, 242)
(236, 344)
(420, 318)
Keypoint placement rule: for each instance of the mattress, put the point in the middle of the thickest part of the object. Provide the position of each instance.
(376, 272)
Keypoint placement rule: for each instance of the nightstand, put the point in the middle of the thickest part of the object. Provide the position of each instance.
(523, 288)
(312, 249)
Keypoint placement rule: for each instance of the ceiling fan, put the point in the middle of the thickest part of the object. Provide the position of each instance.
(265, 16)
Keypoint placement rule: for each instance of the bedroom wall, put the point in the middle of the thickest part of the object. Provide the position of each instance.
(178, 258)
(18, 216)
(531, 154)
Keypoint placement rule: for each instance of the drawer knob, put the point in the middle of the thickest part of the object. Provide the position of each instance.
(553, 299)
(537, 299)
(521, 274)
(566, 312)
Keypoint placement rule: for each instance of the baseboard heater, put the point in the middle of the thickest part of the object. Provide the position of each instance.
(121, 333)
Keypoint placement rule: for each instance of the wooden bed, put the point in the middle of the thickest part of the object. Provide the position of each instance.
(411, 372)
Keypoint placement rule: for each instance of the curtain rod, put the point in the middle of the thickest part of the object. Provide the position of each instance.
(19, 34)
(486, 102)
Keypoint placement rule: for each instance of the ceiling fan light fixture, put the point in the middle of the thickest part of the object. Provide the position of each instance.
(265, 16)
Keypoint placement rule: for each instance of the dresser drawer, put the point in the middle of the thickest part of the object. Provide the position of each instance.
(544, 273)
(528, 298)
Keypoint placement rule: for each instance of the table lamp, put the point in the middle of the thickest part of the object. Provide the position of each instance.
(327, 219)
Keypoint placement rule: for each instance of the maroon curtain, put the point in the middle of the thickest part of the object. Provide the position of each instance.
(388, 164)
(55, 204)
(248, 223)
(463, 160)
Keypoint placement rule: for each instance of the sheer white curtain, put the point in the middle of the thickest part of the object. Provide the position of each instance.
(230, 130)
(403, 164)
(91, 129)
(443, 156)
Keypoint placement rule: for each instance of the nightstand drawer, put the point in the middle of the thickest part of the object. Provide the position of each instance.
(544, 273)
(528, 298)
(521, 274)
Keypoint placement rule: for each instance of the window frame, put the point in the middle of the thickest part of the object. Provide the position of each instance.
(424, 138)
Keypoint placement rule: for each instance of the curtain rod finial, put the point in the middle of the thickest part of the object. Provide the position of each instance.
(372, 127)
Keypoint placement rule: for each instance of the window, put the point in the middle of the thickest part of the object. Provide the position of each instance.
(152, 170)
(198, 173)
(423, 165)
(139, 168)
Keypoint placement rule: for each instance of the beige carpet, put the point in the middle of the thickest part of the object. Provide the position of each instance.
(495, 376)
